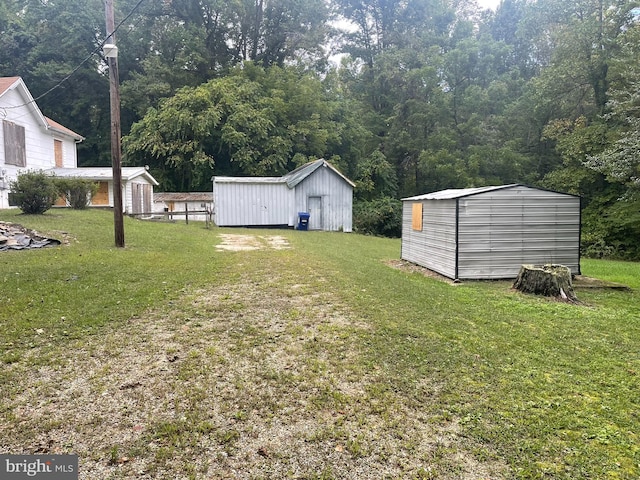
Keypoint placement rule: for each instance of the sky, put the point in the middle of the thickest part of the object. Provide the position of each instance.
(492, 4)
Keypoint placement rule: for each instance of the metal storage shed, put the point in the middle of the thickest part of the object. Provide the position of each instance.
(490, 232)
(316, 187)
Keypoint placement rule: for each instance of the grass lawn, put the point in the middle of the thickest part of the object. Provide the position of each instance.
(309, 358)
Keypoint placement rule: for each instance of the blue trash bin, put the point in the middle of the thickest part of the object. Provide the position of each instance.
(303, 220)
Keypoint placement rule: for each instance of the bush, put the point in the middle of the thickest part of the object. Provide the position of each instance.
(382, 216)
(77, 191)
(34, 192)
(611, 228)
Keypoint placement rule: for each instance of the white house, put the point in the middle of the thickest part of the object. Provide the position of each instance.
(316, 188)
(31, 141)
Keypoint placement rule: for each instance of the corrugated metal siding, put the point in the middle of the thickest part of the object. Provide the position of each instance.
(337, 199)
(501, 230)
(498, 231)
(252, 204)
(435, 246)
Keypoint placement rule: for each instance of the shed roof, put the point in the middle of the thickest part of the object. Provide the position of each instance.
(292, 178)
(299, 174)
(454, 193)
(103, 173)
(248, 179)
(183, 197)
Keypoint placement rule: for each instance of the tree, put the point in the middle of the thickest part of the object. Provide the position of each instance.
(16, 39)
(620, 161)
(381, 25)
(254, 122)
(376, 177)
(51, 45)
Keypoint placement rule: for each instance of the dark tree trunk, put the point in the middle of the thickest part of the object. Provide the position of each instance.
(548, 280)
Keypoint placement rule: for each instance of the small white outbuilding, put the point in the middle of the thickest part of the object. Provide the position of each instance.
(137, 187)
(316, 188)
(490, 232)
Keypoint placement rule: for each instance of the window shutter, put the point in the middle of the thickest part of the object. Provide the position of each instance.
(14, 144)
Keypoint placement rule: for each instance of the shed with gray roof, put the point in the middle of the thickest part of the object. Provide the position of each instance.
(490, 232)
(317, 188)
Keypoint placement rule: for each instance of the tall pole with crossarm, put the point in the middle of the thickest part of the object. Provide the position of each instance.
(111, 53)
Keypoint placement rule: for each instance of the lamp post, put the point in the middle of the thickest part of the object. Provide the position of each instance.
(111, 54)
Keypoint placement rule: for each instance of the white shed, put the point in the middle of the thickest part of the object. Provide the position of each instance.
(316, 188)
(489, 232)
(170, 202)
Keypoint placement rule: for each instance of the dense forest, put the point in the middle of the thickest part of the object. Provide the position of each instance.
(404, 96)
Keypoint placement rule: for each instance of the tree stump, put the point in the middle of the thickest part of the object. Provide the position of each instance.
(548, 280)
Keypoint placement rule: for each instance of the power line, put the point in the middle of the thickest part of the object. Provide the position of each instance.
(96, 50)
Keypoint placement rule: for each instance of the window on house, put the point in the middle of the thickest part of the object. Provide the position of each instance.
(14, 145)
(102, 195)
(417, 217)
(57, 152)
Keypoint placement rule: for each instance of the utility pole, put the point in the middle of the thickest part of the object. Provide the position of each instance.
(111, 53)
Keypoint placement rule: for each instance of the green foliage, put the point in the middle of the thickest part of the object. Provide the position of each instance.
(611, 228)
(77, 191)
(34, 192)
(375, 178)
(382, 216)
(252, 122)
(619, 157)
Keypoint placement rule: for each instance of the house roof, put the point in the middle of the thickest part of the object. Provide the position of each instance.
(454, 193)
(292, 178)
(9, 83)
(183, 197)
(56, 127)
(299, 174)
(103, 173)
(6, 83)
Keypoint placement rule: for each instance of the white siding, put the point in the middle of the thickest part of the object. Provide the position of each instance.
(337, 200)
(497, 232)
(252, 204)
(34, 142)
(143, 197)
(39, 144)
(435, 246)
(69, 152)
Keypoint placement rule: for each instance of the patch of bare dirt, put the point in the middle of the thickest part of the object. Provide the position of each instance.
(413, 268)
(240, 243)
(236, 383)
(581, 281)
